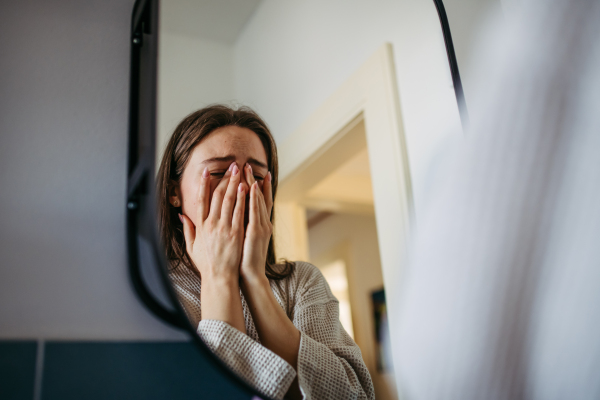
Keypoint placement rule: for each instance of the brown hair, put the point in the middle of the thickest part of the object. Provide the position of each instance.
(188, 134)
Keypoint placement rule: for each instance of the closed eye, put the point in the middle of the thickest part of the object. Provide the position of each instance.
(221, 174)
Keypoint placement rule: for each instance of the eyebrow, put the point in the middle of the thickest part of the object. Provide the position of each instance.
(231, 158)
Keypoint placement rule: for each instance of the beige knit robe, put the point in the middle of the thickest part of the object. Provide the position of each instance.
(330, 364)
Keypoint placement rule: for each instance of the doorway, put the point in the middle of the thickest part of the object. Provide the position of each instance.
(343, 244)
(344, 203)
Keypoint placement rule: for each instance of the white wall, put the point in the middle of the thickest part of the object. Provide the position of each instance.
(193, 73)
(64, 76)
(64, 87)
(292, 55)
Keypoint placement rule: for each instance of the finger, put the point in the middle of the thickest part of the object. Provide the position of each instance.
(254, 210)
(237, 222)
(189, 232)
(203, 195)
(230, 195)
(249, 175)
(218, 194)
(268, 194)
(262, 206)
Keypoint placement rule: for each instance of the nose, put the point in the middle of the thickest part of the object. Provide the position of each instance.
(244, 179)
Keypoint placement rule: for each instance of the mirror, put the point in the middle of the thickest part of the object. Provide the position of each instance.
(293, 298)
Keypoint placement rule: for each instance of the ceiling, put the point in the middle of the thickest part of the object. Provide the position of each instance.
(217, 20)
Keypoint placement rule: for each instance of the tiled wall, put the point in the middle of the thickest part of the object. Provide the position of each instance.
(110, 370)
(17, 369)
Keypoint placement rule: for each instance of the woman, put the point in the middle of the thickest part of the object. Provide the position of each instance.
(275, 325)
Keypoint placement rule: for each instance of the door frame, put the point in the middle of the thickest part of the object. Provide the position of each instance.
(369, 96)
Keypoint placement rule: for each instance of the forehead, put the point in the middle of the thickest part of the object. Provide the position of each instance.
(231, 140)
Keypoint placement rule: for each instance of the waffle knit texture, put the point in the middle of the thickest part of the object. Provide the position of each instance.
(330, 364)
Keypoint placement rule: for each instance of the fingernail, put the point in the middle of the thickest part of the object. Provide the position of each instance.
(240, 187)
(249, 167)
(235, 170)
(180, 218)
(205, 172)
(269, 176)
(233, 164)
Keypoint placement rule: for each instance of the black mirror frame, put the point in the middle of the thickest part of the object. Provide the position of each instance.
(142, 126)
(456, 81)
(141, 199)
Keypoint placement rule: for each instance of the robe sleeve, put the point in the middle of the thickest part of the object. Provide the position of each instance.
(251, 361)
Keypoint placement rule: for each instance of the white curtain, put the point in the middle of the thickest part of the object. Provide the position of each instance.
(502, 296)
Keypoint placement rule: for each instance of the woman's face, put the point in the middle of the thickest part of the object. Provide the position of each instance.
(216, 152)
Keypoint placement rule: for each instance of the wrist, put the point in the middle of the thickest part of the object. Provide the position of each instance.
(221, 301)
(218, 293)
(220, 280)
(254, 280)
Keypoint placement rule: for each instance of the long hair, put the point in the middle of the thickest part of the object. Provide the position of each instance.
(188, 134)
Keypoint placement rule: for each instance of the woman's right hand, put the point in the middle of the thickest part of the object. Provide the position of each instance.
(215, 242)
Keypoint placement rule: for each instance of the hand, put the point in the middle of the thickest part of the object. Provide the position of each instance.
(259, 229)
(215, 243)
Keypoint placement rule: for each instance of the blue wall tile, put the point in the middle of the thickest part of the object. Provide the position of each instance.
(17, 369)
(117, 370)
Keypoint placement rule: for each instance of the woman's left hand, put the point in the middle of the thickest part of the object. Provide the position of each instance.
(259, 229)
(275, 329)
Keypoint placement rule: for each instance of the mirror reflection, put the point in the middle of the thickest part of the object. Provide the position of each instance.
(271, 219)
(277, 324)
